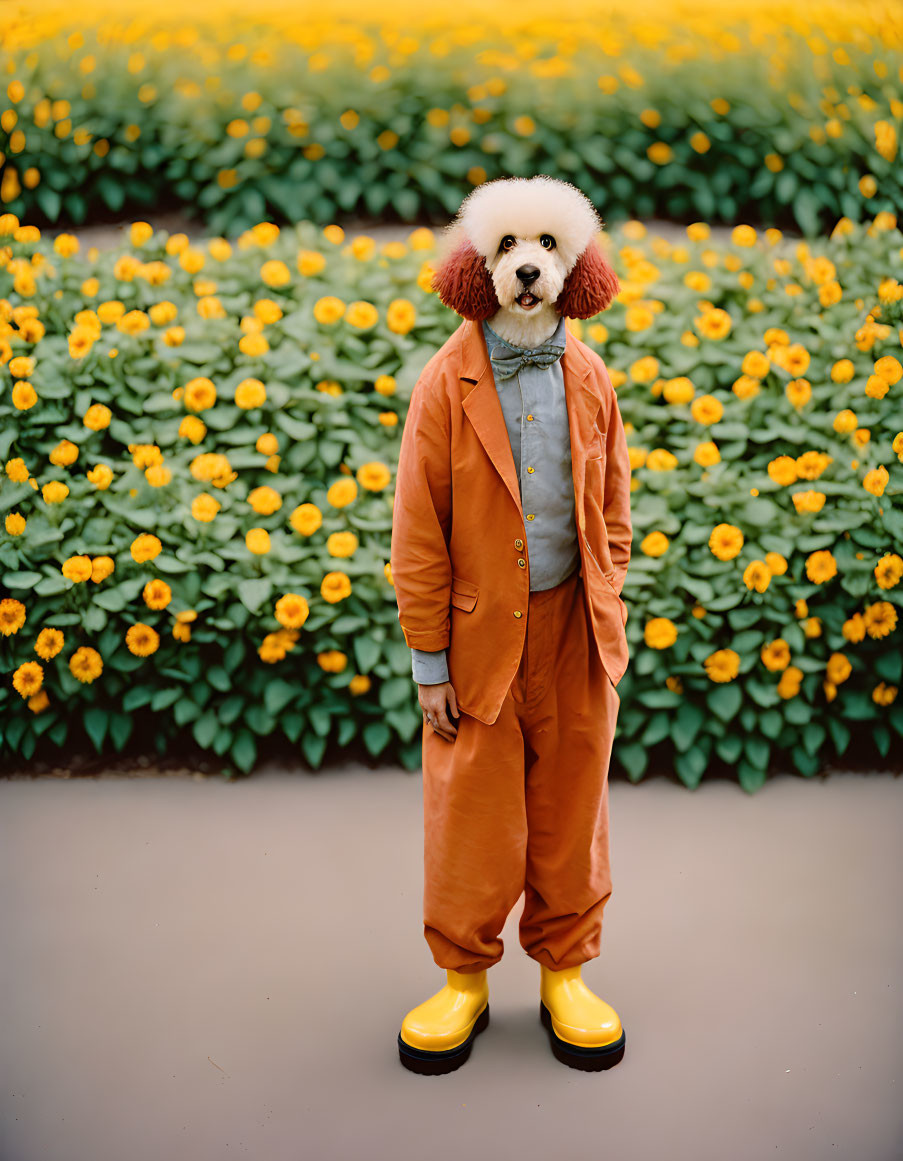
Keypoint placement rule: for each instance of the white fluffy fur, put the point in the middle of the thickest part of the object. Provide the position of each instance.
(526, 208)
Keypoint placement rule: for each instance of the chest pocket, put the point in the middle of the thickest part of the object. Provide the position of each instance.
(464, 594)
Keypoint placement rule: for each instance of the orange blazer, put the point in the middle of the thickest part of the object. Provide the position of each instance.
(459, 548)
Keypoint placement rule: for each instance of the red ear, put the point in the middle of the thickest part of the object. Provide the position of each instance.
(464, 284)
(590, 287)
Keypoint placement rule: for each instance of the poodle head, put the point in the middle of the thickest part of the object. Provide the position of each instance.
(526, 246)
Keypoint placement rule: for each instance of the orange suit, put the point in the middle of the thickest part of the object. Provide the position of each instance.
(519, 800)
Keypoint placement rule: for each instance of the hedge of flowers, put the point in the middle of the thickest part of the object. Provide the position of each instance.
(775, 112)
(199, 441)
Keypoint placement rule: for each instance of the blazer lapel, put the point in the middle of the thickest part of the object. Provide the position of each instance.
(484, 409)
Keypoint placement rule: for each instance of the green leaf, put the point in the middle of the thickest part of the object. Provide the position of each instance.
(376, 737)
(205, 729)
(279, 694)
(725, 700)
(95, 721)
(687, 724)
(366, 653)
(254, 592)
(313, 748)
(244, 750)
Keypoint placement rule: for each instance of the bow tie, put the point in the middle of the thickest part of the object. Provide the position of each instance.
(507, 361)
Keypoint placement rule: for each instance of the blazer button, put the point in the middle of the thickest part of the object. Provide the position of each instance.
(531, 469)
(518, 543)
(522, 562)
(518, 613)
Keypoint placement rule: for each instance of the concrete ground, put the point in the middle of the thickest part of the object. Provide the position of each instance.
(197, 970)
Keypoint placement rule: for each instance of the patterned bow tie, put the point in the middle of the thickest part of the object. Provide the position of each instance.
(507, 361)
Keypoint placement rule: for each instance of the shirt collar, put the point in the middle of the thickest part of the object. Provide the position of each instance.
(559, 337)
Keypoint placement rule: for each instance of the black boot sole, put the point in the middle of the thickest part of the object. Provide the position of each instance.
(576, 1056)
(426, 1063)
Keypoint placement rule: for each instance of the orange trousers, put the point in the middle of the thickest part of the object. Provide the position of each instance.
(522, 805)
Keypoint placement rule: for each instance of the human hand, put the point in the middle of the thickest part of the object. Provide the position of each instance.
(432, 702)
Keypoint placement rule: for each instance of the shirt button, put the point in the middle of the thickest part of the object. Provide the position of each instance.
(522, 562)
(518, 543)
(529, 417)
(518, 613)
(531, 516)
(531, 469)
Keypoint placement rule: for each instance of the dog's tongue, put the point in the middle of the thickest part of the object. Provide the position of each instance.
(527, 299)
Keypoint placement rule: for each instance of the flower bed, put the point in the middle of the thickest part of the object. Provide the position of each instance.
(726, 112)
(200, 442)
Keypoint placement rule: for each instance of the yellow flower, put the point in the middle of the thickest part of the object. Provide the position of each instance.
(783, 470)
(401, 316)
(880, 619)
(15, 523)
(250, 393)
(820, 567)
(341, 544)
(213, 467)
(145, 547)
(257, 541)
(726, 541)
(421, 239)
(292, 611)
(388, 418)
(267, 444)
(157, 594)
(706, 454)
(756, 364)
(64, 454)
(342, 492)
(192, 428)
(28, 678)
(17, 470)
(713, 324)
(360, 683)
(335, 587)
(679, 390)
(38, 701)
(98, 416)
(101, 476)
(101, 568)
(24, 396)
(133, 323)
(845, 421)
(808, 501)
(199, 394)
(54, 492)
(77, 568)
(889, 369)
(644, 370)
(162, 313)
(838, 668)
(775, 655)
(328, 310)
(707, 409)
(332, 661)
(776, 563)
(361, 315)
(723, 665)
(307, 518)
(86, 664)
(655, 544)
(799, 392)
(265, 500)
(12, 616)
(757, 575)
(275, 273)
(310, 262)
(791, 679)
(876, 481)
(204, 507)
(145, 454)
(140, 232)
(158, 476)
(661, 460)
(843, 371)
(373, 476)
(889, 570)
(21, 367)
(660, 633)
(142, 639)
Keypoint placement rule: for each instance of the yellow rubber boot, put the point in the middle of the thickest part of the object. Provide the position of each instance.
(585, 1032)
(437, 1035)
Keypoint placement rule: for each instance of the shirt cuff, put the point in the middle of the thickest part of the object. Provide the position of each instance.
(429, 668)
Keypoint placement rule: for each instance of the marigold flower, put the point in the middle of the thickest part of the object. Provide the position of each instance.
(655, 544)
(307, 518)
(142, 640)
(28, 678)
(86, 664)
(257, 540)
(335, 587)
(726, 541)
(373, 476)
(332, 660)
(723, 665)
(55, 492)
(342, 493)
(49, 643)
(838, 668)
(401, 316)
(757, 575)
(250, 393)
(145, 547)
(889, 570)
(15, 523)
(821, 567)
(101, 476)
(876, 481)
(328, 310)
(77, 568)
(341, 544)
(12, 616)
(24, 396)
(660, 633)
(292, 610)
(775, 655)
(64, 454)
(98, 416)
(16, 470)
(791, 679)
(101, 568)
(157, 594)
(880, 619)
(200, 394)
(361, 315)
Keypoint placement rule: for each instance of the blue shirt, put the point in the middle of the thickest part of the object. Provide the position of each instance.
(536, 417)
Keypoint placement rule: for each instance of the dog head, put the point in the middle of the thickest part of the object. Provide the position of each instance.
(525, 247)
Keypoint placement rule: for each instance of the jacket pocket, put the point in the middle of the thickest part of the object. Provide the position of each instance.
(464, 594)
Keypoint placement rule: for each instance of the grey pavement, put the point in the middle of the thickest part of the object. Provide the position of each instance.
(199, 969)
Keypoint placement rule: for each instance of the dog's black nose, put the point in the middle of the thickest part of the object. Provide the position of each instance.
(528, 274)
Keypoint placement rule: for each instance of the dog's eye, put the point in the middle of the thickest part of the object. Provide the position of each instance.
(547, 242)
(508, 242)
